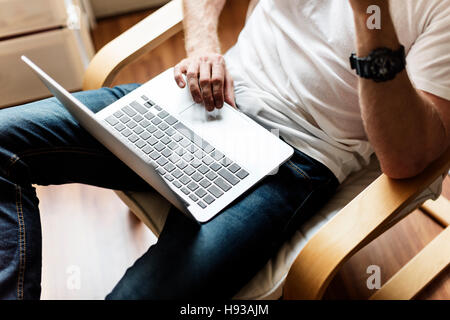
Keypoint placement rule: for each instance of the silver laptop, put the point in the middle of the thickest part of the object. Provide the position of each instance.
(198, 161)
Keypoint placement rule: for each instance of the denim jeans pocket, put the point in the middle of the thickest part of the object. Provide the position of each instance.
(298, 170)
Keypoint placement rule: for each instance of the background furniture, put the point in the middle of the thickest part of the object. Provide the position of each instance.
(105, 8)
(349, 226)
(53, 32)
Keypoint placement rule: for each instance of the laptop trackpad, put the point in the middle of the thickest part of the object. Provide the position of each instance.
(212, 123)
(198, 113)
(228, 131)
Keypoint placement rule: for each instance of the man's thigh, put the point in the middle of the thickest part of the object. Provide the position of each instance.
(216, 259)
(41, 143)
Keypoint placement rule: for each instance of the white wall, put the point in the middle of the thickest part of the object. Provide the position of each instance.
(103, 8)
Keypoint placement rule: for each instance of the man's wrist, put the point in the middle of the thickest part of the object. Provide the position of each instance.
(368, 38)
(194, 48)
(200, 50)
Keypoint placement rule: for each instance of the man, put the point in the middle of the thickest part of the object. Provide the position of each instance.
(291, 71)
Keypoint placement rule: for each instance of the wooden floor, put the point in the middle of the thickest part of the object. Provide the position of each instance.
(90, 238)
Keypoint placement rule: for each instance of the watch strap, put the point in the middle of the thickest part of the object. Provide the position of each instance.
(362, 64)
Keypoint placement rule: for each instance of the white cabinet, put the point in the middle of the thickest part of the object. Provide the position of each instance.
(54, 34)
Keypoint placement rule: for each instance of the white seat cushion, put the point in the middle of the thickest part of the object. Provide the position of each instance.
(268, 282)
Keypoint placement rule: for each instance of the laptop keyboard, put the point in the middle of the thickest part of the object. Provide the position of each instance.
(187, 161)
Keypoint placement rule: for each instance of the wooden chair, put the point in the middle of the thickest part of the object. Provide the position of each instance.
(363, 219)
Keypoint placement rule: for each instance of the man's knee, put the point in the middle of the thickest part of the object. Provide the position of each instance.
(18, 134)
(9, 130)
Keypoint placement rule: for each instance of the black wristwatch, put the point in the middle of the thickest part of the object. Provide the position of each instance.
(382, 64)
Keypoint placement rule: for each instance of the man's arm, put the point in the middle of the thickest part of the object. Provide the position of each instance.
(408, 128)
(204, 67)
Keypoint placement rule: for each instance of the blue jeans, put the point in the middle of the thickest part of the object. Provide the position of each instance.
(40, 143)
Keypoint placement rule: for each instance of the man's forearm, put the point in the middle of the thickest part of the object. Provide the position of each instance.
(208, 79)
(404, 127)
(201, 19)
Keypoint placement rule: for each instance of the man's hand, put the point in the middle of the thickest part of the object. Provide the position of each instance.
(205, 70)
(209, 81)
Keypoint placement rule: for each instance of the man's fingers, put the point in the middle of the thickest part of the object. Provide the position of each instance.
(229, 90)
(207, 79)
(192, 79)
(178, 72)
(205, 84)
(217, 81)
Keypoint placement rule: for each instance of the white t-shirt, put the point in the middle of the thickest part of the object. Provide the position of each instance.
(291, 71)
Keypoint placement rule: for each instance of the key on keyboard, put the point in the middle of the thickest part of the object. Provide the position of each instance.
(138, 107)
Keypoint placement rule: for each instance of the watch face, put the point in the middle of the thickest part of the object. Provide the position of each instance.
(383, 66)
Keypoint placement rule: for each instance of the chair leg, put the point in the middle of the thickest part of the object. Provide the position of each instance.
(153, 217)
(439, 210)
(418, 272)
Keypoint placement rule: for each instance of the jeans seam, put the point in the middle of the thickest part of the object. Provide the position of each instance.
(17, 157)
(296, 168)
(22, 244)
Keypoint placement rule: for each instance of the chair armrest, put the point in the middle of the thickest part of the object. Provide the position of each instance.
(358, 223)
(133, 43)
